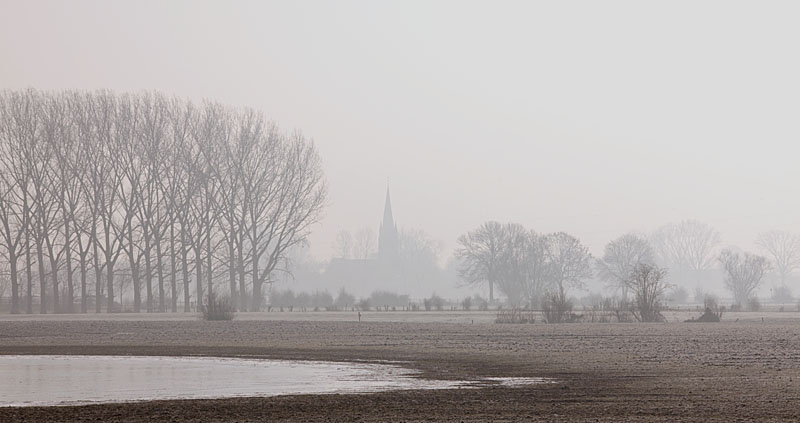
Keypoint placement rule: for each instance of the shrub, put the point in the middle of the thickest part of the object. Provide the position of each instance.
(515, 315)
(556, 307)
(218, 308)
(679, 295)
(713, 312)
(363, 305)
(466, 304)
(782, 295)
(753, 304)
(321, 299)
(302, 300)
(711, 302)
(282, 298)
(388, 299)
(435, 302)
(344, 299)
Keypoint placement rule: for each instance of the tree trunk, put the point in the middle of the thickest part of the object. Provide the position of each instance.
(185, 271)
(160, 273)
(137, 288)
(148, 276)
(29, 273)
(172, 270)
(14, 283)
(109, 273)
(199, 272)
(42, 283)
(209, 273)
(83, 284)
(232, 271)
(54, 274)
(256, 284)
(68, 258)
(242, 287)
(98, 272)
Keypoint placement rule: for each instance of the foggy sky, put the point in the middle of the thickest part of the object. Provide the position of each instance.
(594, 118)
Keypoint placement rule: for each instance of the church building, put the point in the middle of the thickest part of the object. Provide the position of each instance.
(380, 273)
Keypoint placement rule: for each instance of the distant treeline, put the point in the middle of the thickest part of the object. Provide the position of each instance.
(379, 300)
(103, 193)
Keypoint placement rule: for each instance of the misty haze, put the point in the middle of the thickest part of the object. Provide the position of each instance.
(399, 211)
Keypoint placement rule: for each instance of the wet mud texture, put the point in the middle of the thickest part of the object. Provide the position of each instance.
(698, 372)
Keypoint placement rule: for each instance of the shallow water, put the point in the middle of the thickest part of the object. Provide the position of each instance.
(31, 380)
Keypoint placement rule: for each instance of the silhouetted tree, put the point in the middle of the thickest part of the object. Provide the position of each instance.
(784, 250)
(744, 273)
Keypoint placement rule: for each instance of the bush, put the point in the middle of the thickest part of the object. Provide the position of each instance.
(678, 295)
(753, 304)
(711, 302)
(218, 308)
(282, 298)
(480, 302)
(556, 307)
(700, 294)
(302, 300)
(388, 299)
(321, 299)
(782, 295)
(434, 302)
(344, 300)
(713, 312)
(466, 304)
(515, 315)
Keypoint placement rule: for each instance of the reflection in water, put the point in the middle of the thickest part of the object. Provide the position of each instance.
(63, 380)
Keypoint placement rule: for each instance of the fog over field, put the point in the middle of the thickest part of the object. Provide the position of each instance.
(380, 210)
(596, 119)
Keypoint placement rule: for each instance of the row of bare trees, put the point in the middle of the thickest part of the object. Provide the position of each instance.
(522, 264)
(528, 267)
(100, 188)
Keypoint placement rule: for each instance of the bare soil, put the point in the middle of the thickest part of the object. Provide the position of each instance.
(700, 372)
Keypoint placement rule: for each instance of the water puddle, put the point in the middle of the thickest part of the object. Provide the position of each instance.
(28, 380)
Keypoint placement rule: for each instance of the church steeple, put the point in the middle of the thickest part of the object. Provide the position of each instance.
(387, 210)
(388, 241)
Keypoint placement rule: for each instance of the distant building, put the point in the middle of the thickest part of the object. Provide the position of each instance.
(363, 276)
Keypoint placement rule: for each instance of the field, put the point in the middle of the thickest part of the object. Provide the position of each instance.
(743, 369)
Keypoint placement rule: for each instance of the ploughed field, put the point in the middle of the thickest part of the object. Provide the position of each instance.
(735, 370)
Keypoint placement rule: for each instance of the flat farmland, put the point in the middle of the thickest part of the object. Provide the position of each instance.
(746, 368)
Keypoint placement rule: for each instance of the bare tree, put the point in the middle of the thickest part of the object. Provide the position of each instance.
(784, 249)
(570, 261)
(295, 193)
(685, 248)
(15, 213)
(511, 274)
(743, 273)
(113, 122)
(620, 257)
(537, 268)
(419, 255)
(88, 177)
(365, 243)
(646, 282)
(481, 253)
(64, 186)
(343, 245)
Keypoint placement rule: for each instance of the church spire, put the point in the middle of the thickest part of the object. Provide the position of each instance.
(388, 219)
(388, 241)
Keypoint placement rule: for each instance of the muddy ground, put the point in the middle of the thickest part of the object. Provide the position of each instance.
(745, 370)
